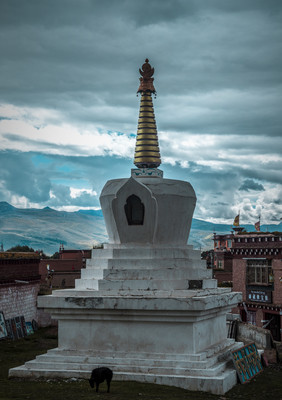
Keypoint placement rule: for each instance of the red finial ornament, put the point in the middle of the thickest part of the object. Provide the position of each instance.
(146, 82)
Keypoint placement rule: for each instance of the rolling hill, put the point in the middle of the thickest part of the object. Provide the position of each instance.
(46, 229)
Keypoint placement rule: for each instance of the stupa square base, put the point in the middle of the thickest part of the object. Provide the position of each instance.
(153, 325)
(178, 340)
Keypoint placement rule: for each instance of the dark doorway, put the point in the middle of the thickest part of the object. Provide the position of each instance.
(274, 325)
(243, 315)
(134, 210)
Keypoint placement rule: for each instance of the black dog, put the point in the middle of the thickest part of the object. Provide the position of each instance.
(99, 375)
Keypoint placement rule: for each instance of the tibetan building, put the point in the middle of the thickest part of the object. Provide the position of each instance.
(253, 261)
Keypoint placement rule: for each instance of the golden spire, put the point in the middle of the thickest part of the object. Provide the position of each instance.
(147, 153)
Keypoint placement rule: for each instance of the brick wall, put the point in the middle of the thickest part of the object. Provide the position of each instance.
(239, 276)
(259, 317)
(277, 272)
(19, 299)
(19, 269)
(222, 276)
(75, 254)
(65, 279)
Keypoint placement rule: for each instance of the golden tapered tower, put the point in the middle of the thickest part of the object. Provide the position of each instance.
(147, 153)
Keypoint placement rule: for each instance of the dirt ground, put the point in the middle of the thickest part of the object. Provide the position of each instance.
(266, 386)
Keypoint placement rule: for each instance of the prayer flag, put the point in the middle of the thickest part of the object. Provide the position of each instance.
(257, 226)
(236, 220)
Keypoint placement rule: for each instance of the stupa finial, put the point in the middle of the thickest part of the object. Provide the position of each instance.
(146, 82)
(147, 153)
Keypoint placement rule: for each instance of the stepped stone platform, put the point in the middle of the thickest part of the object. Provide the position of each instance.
(131, 303)
(193, 372)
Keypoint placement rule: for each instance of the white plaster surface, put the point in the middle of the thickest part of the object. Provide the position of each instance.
(169, 206)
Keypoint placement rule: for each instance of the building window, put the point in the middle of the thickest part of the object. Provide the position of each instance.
(253, 239)
(258, 272)
(229, 243)
(134, 210)
(246, 240)
(219, 264)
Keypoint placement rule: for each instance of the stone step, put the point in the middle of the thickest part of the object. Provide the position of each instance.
(91, 273)
(141, 284)
(122, 246)
(137, 252)
(222, 350)
(207, 357)
(156, 263)
(116, 285)
(130, 356)
(126, 361)
(152, 284)
(137, 368)
(84, 284)
(155, 294)
(99, 263)
(165, 273)
(210, 370)
(215, 384)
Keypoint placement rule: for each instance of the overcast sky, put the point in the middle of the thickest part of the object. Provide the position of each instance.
(69, 111)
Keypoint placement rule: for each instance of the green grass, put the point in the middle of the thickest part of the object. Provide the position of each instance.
(266, 386)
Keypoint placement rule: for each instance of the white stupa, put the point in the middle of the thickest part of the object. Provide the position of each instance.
(146, 305)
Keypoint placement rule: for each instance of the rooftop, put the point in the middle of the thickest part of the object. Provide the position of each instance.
(17, 255)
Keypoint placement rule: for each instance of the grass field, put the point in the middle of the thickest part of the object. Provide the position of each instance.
(266, 386)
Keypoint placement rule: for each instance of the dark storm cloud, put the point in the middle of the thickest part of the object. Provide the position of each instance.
(271, 175)
(249, 184)
(219, 82)
(39, 144)
(81, 56)
(204, 180)
(19, 177)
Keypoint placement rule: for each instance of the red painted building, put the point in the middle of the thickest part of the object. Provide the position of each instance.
(23, 275)
(62, 272)
(222, 263)
(19, 284)
(253, 262)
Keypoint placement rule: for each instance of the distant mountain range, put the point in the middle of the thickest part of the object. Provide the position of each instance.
(46, 229)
